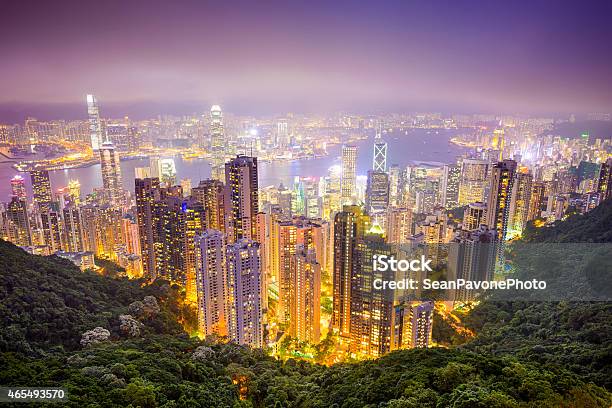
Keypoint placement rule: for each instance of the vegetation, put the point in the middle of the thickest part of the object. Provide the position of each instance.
(525, 354)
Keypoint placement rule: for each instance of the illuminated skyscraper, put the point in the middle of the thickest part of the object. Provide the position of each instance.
(519, 201)
(498, 207)
(95, 125)
(211, 283)
(305, 310)
(147, 191)
(242, 201)
(474, 216)
(399, 225)
(604, 182)
(349, 175)
(394, 185)
(50, 221)
(73, 229)
(74, 188)
(18, 222)
(217, 142)
(473, 181)
(412, 325)
(18, 187)
(211, 194)
(379, 162)
(111, 173)
(377, 192)
(41, 188)
(282, 133)
(245, 287)
(349, 226)
(450, 186)
(535, 200)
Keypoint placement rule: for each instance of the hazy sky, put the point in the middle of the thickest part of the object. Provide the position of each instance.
(146, 57)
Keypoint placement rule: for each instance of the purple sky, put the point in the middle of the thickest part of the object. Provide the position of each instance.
(147, 57)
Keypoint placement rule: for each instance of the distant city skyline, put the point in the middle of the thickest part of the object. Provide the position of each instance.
(149, 58)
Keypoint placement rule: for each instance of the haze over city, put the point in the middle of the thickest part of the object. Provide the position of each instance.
(147, 58)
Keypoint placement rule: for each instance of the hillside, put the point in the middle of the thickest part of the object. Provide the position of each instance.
(575, 334)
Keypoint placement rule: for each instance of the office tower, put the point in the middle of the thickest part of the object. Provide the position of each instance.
(473, 181)
(285, 200)
(298, 197)
(241, 203)
(399, 225)
(73, 229)
(425, 201)
(474, 216)
(371, 308)
(74, 189)
(394, 185)
(519, 201)
(535, 200)
(471, 256)
(412, 325)
(436, 234)
(379, 162)
(282, 133)
(167, 171)
(217, 142)
(377, 192)
(146, 191)
(211, 194)
(305, 308)
(18, 187)
(50, 221)
(108, 236)
(211, 283)
(41, 188)
(349, 176)
(111, 173)
(18, 221)
(349, 226)
(503, 176)
(450, 186)
(291, 234)
(604, 183)
(244, 284)
(95, 125)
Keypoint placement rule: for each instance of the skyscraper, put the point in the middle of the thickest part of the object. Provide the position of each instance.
(211, 282)
(41, 188)
(349, 226)
(241, 200)
(379, 162)
(519, 201)
(18, 222)
(211, 194)
(217, 142)
(473, 181)
(450, 186)
(498, 207)
(474, 216)
(146, 191)
(73, 229)
(111, 173)
(18, 187)
(377, 192)
(349, 176)
(282, 133)
(95, 125)
(244, 283)
(399, 225)
(305, 308)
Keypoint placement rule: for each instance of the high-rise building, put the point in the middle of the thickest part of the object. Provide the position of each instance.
(399, 225)
(519, 201)
(41, 188)
(474, 216)
(242, 200)
(348, 179)
(217, 142)
(211, 282)
(450, 186)
(282, 133)
(73, 229)
(394, 185)
(74, 189)
(473, 181)
(349, 226)
(503, 177)
(245, 288)
(305, 307)
(95, 125)
(412, 325)
(111, 173)
(211, 194)
(50, 221)
(377, 192)
(604, 183)
(18, 222)
(535, 200)
(379, 162)
(147, 192)
(18, 187)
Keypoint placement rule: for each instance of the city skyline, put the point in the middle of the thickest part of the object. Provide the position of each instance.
(179, 57)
